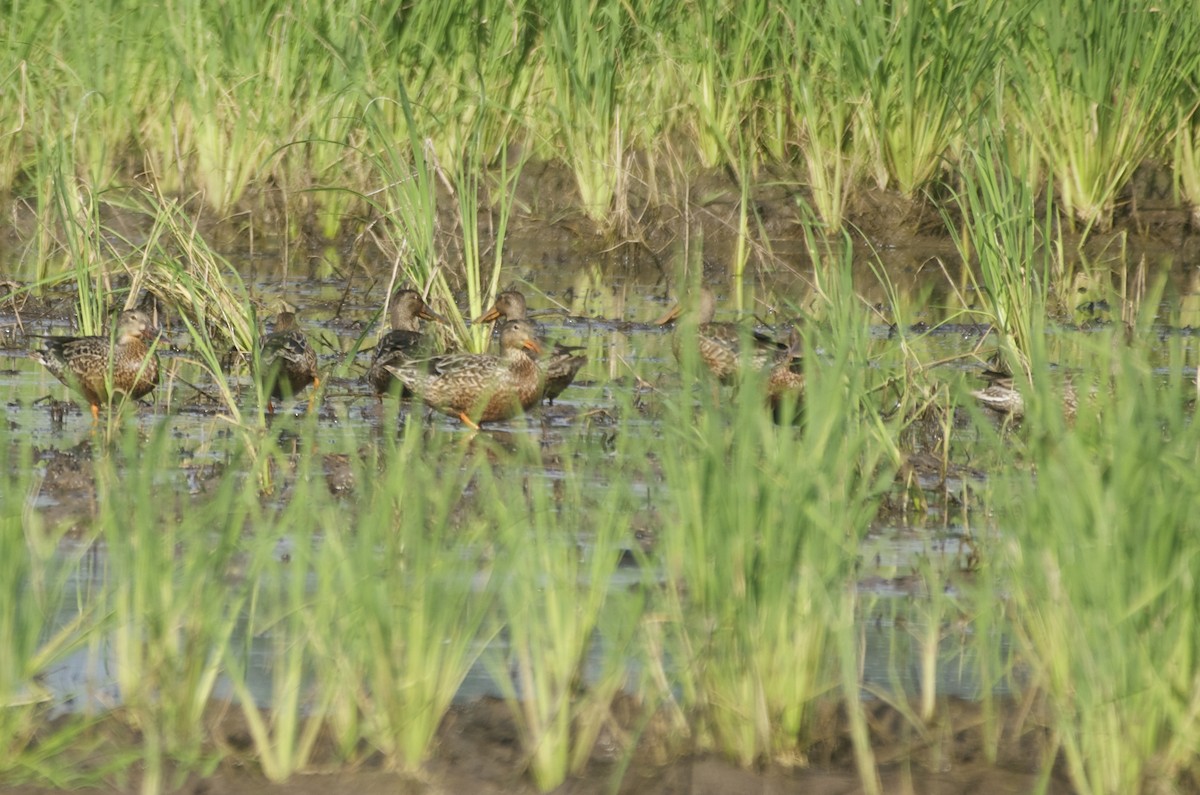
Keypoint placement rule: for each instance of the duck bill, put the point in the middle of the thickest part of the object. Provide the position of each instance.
(488, 317)
(533, 346)
(425, 313)
(672, 314)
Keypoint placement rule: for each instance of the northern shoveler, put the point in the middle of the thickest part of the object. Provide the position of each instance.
(1002, 396)
(288, 361)
(97, 367)
(403, 343)
(480, 388)
(786, 379)
(719, 344)
(560, 367)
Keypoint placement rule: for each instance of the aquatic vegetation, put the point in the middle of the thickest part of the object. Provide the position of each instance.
(860, 94)
(346, 574)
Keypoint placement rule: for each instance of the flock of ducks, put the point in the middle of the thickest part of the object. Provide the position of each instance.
(475, 388)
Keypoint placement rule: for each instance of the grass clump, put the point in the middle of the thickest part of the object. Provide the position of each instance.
(172, 609)
(760, 543)
(41, 626)
(1116, 654)
(416, 586)
(250, 107)
(557, 605)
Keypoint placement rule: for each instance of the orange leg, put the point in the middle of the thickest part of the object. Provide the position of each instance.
(462, 415)
(95, 413)
(313, 395)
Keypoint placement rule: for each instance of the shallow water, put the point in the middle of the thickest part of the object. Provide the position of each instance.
(604, 303)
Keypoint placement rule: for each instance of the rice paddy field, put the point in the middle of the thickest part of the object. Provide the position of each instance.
(959, 552)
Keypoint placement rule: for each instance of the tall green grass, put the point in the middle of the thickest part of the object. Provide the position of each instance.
(557, 604)
(1116, 654)
(1099, 89)
(417, 586)
(742, 617)
(249, 107)
(1017, 253)
(759, 543)
(584, 46)
(163, 562)
(41, 627)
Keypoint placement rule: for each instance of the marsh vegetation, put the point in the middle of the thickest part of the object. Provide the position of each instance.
(655, 568)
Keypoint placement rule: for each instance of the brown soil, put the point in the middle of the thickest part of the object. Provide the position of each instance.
(478, 752)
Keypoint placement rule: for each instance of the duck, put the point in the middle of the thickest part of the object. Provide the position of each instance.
(288, 362)
(719, 344)
(97, 367)
(480, 387)
(560, 367)
(403, 343)
(786, 379)
(1002, 396)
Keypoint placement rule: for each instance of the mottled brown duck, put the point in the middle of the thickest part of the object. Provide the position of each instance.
(1002, 396)
(560, 367)
(288, 362)
(98, 367)
(477, 387)
(719, 344)
(403, 343)
(785, 382)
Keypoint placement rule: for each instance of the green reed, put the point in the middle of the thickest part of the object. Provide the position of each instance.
(1116, 652)
(584, 47)
(557, 601)
(1014, 249)
(760, 541)
(730, 60)
(409, 202)
(286, 622)
(483, 284)
(416, 583)
(815, 66)
(173, 607)
(251, 106)
(38, 623)
(1099, 88)
(920, 68)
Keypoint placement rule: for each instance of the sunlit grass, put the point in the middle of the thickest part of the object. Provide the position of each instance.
(370, 610)
(1099, 89)
(36, 597)
(249, 107)
(1117, 653)
(361, 616)
(1014, 248)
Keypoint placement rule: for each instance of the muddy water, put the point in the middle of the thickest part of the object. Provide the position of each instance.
(604, 302)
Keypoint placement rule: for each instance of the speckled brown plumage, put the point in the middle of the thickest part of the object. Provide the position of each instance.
(560, 367)
(403, 343)
(288, 361)
(98, 366)
(786, 382)
(719, 344)
(1002, 396)
(480, 388)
